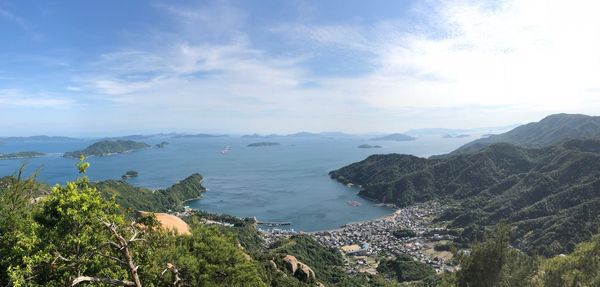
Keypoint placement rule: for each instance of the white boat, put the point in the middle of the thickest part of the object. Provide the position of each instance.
(225, 150)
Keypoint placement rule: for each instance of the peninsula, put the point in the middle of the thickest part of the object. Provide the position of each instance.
(24, 154)
(107, 147)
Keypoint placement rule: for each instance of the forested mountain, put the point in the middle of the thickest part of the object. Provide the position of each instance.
(548, 131)
(108, 147)
(162, 200)
(550, 194)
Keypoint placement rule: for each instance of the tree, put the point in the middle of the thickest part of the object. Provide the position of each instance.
(577, 269)
(17, 229)
(74, 243)
(210, 256)
(403, 268)
(495, 263)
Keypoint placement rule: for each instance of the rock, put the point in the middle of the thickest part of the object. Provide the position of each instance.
(300, 270)
(271, 264)
(305, 273)
(291, 263)
(170, 222)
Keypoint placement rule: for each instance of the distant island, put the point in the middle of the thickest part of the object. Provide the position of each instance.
(38, 138)
(130, 174)
(24, 154)
(258, 136)
(395, 137)
(259, 144)
(460, 136)
(198, 136)
(369, 146)
(162, 144)
(106, 147)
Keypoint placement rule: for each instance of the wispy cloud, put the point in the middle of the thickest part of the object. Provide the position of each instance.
(461, 64)
(11, 98)
(519, 53)
(21, 23)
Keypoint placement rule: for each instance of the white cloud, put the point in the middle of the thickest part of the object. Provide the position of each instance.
(12, 98)
(530, 53)
(462, 64)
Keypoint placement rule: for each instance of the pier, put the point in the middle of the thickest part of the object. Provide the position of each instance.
(273, 223)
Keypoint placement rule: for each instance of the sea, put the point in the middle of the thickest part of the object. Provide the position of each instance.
(282, 183)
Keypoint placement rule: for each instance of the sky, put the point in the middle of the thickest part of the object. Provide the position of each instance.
(117, 67)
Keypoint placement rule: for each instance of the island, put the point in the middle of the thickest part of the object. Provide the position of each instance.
(369, 146)
(129, 174)
(43, 138)
(460, 136)
(198, 136)
(395, 137)
(107, 147)
(260, 144)
(24, 154)
(162, 144)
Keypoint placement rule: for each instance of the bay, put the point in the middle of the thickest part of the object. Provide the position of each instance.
(284, 183)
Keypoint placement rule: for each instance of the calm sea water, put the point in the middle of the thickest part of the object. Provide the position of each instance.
(288, 182)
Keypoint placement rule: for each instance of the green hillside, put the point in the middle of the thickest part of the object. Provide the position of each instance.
(550, 195)
(161, 200)
(108, 147)
(550, 130)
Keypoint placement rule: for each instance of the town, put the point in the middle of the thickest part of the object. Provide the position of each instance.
(407, 231)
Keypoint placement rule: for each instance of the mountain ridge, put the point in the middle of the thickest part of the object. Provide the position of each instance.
(548, 131)
(548, 194)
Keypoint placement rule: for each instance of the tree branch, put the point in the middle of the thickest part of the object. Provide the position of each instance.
(111, 281)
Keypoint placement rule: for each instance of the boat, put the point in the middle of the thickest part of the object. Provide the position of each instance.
(225, 150)
(353, 203)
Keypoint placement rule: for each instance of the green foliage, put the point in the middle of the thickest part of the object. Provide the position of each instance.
(136, 198)
(403, 268)
(209, 257)
(401, 233)
(18, 236)
(328, 264)
(548, 131)
(325, 262)
(577, 269)
(71, 235)
(443, 247)
(107, 147)
(550, 195)
(495, 263)
(75, 231)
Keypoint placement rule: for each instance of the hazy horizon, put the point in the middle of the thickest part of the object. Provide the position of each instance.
(117, 68)
(234, 134)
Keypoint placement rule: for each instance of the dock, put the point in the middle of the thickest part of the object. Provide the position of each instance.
(273, 223)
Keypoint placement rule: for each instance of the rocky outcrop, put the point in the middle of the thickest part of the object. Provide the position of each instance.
(170, 222)
(304, 273)
(271, 264)
(300, 270)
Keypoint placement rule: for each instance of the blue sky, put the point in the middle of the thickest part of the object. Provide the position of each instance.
(122, 67)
